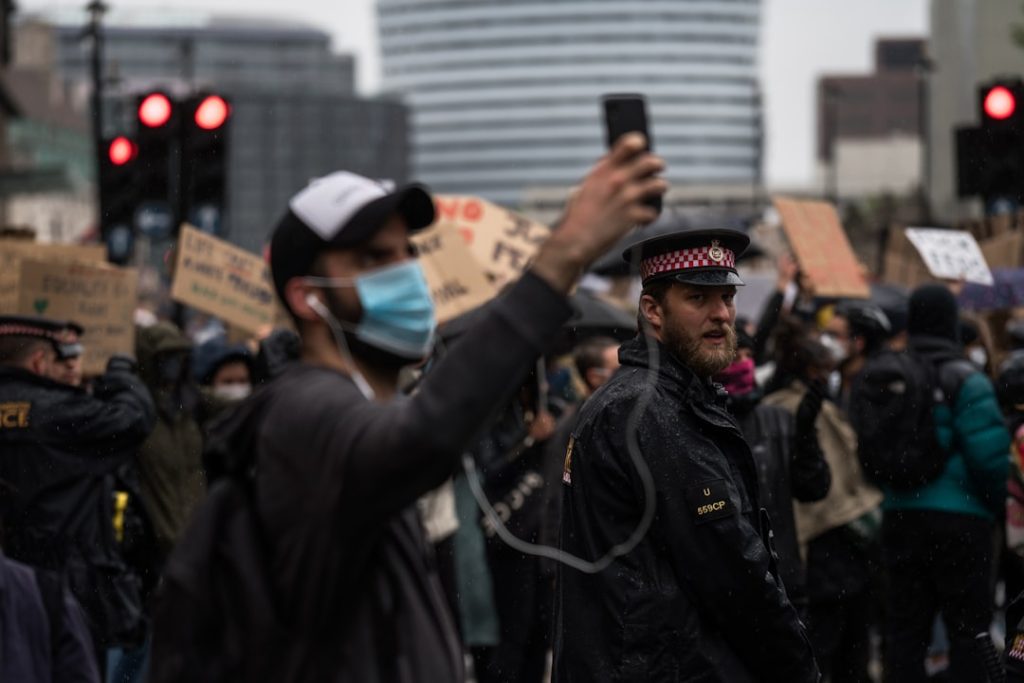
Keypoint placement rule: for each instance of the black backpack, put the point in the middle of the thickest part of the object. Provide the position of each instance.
(215, 605)
(892, 409)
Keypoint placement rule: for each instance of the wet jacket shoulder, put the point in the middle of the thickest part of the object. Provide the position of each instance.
(698, 597)
(971, 427)
(110, 422)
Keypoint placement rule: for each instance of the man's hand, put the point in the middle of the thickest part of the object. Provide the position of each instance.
(608, 204)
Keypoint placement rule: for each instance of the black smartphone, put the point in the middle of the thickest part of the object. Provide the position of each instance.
(626, 113)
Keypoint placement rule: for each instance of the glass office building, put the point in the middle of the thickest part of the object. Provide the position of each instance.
(505, 94)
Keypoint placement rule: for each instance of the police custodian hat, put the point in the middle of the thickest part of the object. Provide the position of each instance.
(54, 331)
(695, 257)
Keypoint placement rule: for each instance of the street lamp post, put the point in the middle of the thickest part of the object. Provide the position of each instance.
(97, 9)
(832, 95)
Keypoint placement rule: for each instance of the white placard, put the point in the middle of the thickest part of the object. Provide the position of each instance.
(951, 254)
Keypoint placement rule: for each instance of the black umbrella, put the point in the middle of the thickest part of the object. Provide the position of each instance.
(593, 316)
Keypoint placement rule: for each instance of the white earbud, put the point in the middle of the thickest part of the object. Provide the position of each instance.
(314, 302)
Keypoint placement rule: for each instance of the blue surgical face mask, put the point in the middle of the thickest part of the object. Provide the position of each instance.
(398, 313)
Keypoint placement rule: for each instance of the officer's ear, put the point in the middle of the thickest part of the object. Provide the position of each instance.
(652, 312)
(40, 359)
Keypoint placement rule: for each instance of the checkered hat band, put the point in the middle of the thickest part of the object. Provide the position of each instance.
(686, 259)
(24, 330)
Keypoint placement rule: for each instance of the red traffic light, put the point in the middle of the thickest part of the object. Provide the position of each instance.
(212, 112)
(121, 150)
(999, 103)
(155, 110)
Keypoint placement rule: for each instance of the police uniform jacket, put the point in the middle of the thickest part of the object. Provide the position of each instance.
(699, 598)
(57, 446)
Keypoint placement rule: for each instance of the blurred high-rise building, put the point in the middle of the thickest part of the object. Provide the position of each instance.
(505, 93)
(295, 113)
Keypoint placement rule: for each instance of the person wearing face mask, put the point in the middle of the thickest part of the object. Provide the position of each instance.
(790, 463)
(854, 332)
(170, 472)
(224, 373)
(334, 458)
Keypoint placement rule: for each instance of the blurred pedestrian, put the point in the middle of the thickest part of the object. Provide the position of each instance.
(170, 464)
(790, 464)
(835, 533)
(937, 538)
(59, 444)
(224, 369)
(855, 331)
(699, 598)
(338, 458)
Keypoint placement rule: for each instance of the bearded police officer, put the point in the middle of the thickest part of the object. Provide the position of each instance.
(699, 598)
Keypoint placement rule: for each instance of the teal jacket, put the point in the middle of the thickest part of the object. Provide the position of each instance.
(974, 481)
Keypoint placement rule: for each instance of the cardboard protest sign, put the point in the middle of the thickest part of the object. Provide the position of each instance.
(1004, 250)
(951, 254)
(457, 282)
(822, 248)
(101, 298)
(12, 252)
(223, 280)
(502, 241)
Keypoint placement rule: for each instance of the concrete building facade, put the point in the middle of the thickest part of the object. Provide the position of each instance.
(971, 42)
(869, 126)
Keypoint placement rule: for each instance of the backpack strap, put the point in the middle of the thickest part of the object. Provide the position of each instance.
(51, 590)
(952, 375)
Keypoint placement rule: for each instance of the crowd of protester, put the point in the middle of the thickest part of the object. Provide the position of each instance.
(101, 477)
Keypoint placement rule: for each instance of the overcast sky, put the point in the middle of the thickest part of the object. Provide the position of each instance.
(800, 40)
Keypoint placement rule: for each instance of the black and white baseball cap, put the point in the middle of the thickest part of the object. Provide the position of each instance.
(338, 211)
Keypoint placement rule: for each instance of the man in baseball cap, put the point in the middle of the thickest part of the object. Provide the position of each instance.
(340, 460)
(699, 597)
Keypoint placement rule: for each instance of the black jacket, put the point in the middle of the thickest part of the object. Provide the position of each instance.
(698, 599)
(59, 445)
(336, 480)
(788, 469)
(43, 636)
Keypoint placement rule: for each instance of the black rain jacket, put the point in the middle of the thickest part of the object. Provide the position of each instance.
(699, 598)
(789, 468)
(58, 448)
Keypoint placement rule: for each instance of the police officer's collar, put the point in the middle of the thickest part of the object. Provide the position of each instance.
(635, 352)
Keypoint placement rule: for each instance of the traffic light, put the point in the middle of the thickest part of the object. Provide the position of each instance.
(206, 119)
(156, 119)
(990, 157)
(1002, 119)
(118, 197)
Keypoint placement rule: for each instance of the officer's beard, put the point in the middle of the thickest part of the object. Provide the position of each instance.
(692, 352)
